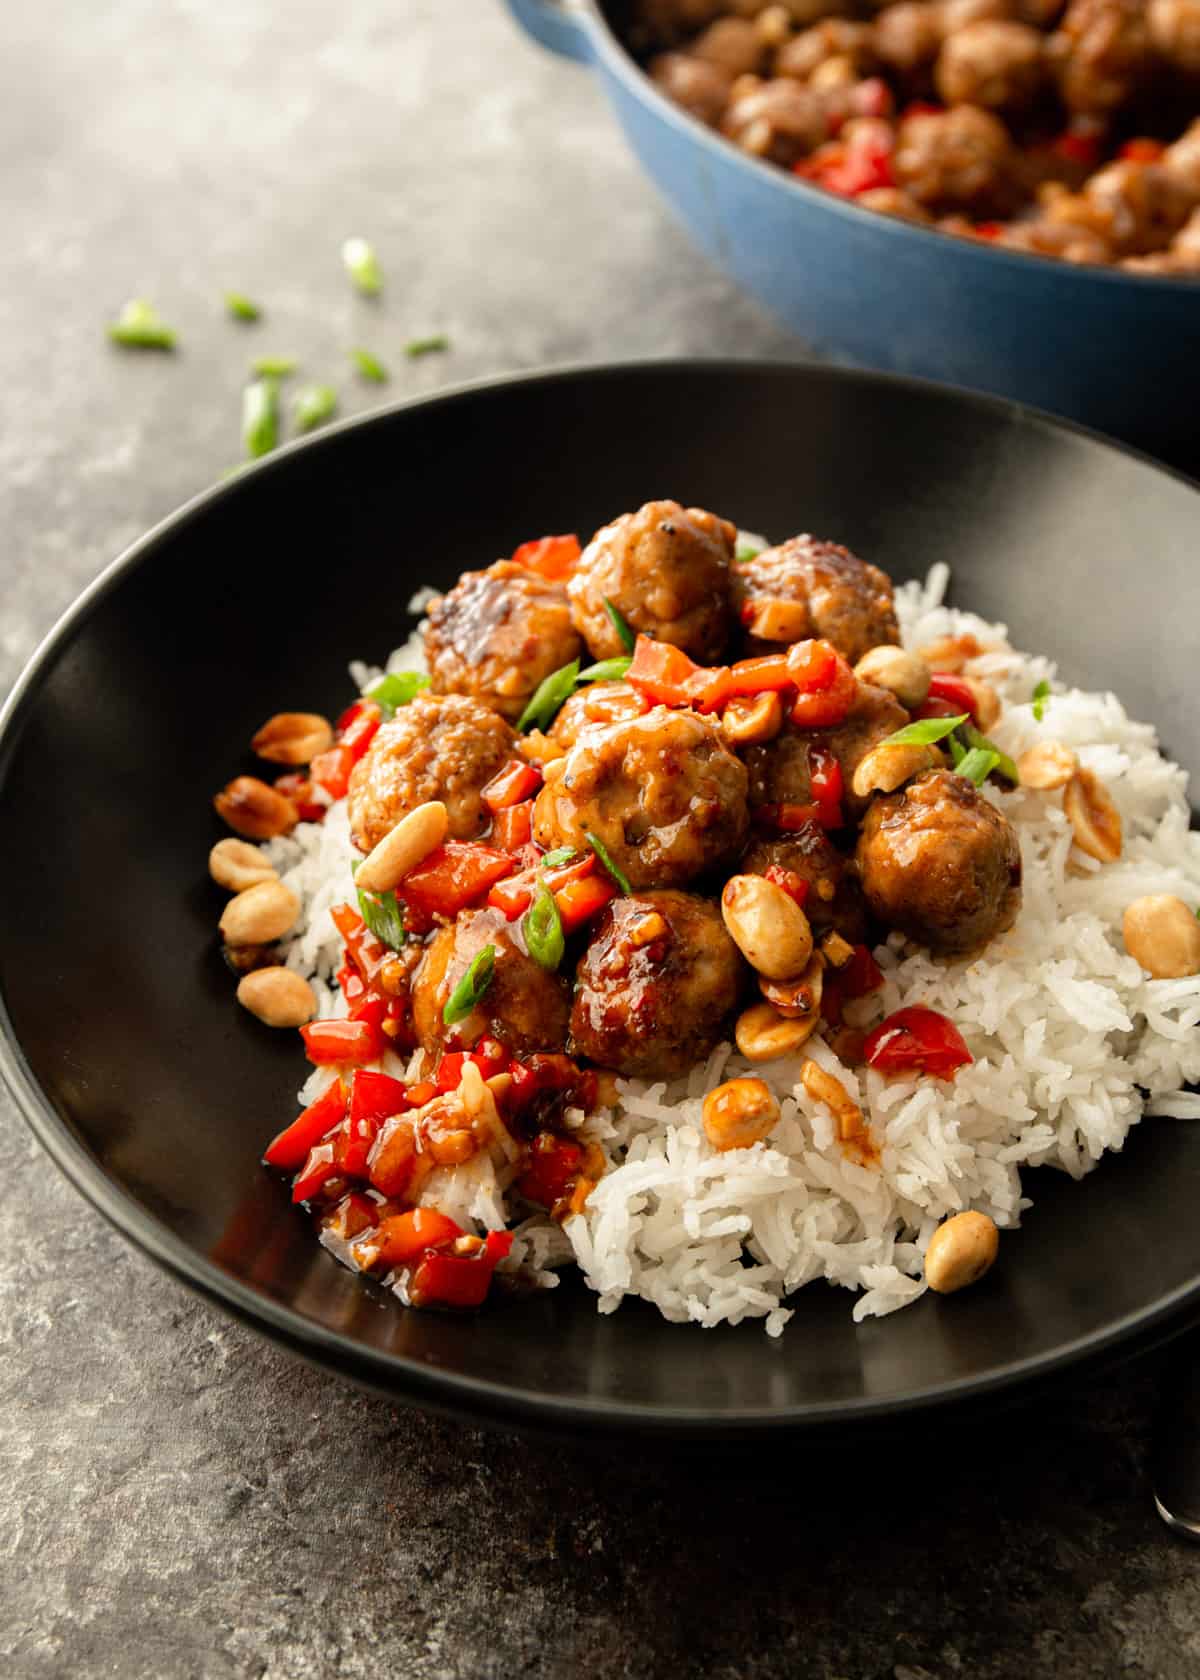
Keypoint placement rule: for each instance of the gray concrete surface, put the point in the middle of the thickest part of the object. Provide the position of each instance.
(176, 1497)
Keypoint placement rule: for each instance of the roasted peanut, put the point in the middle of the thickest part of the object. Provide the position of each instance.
(888, 766)
(1163, 935)
(278, 996)
(825, 1088)
(1047, 766)
(738, 1113)
(904, 674)
(767, 925)
(797, 999)
(835, 74)
(960, 1251)
(836, 950)
(1093, 817)
(762, 1034)
(253, 809)
(646, 929)
(240, 959)
(408, 844)
(773, 26)
(948, 654)
(773, 619)
(751, 718)
(293, 738)
(987, 702)
(260, 914)
(236, 865)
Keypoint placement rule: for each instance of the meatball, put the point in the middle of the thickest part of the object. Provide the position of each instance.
(780, 771)
(960, 159)
(908, 35)
(666, 568)
(661, 792)
(593, 707)
(442, 746)
(657, 985)
(806, 587)
(941, 863)
(1139, 206)
(693, 83)
(525, 1006)
(497, 634)
(834, 899)
(732, 44)
(835, 38)
(1175, 32)
(781, 120)
(994, 63)
(1102, 53)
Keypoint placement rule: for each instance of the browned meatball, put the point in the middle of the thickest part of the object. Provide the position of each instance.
(1056, 239)
(834, 38)
(941, 863)
(908, 36)
(497, 634)
(525, 1006)
(657, 985)
(693, 83)
(891, 201)
(661, 792)
(960, 159)
(442, 746)
(995, 63)
(666, 568)
(780, 770)
(593, 707)
(806, 587)
(781, 120)
(1135, 207)
(834, 900)
(732, 44)
(1175, 31)
(1102, 53)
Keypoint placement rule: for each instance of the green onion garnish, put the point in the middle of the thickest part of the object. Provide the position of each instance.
(362, 265)
(548, 697)
(608, 670)
(957, 751)
(924, 732)
(273, 367)
(241, 307)
(1040, 696)
(556, 858)
(396, 690)
(602, 852)
(140, 327)
(621, 625)
(314, 405)
(384, 915)
(977, 765)
(747, 550)
(426, 346)
(974, 738)
(260, 417)
(471, 987)
(543, 930)
(369, 367)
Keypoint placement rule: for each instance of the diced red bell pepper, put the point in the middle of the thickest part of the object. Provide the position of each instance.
(365, 951)
(935, 708)
(873, 98)
(988, 230)
(921, 108)
(825, 779)
(353, 1215)
(920, 1038)
(453, 1280)
(390, 1166)
(957, 692)
(331, 770)
(795, 886)
(358, 726)
(1079, 146)
(1142, 150)
(353, 1144)
(489, 1056)
(760, 676)
(790, 819)
(515, 895)
(554, 1165)
(351, 983)
(320, 1166)
(376, 1096)
(299, 790)
(421, 1092)
(865, 163)
(826, 684)
(579, 900)
(516, 782)
(400, 1239)
(454, 876)
(667, 677)
(513, 828)
(289, 1149)
(861, 975)
(552, 557)
(328, 1042)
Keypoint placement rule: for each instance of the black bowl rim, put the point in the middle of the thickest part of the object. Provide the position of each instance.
(394, 1373)
(623, 64)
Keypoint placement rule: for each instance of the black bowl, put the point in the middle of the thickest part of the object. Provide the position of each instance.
(155, 1093)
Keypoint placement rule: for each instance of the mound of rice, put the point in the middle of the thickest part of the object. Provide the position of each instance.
(1072, 1044)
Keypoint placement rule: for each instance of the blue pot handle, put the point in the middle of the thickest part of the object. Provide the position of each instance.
(557, 24)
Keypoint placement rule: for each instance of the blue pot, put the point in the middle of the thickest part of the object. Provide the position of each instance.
(1118, 351)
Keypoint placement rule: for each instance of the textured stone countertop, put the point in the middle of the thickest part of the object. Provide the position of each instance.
(177, 1498)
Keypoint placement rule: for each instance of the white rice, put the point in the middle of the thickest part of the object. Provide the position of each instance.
(1072, 1042)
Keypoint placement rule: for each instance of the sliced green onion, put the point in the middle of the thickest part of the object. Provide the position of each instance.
(924, 732)
(608, 670)
(362, 265)
(543, 930)
(1040, 696)
(471, 987)
(241, 307)
(977, 765)
(369, 367)
(602, 852)
(260, 417)
(314, 405)
(746, 550)
(140, 327)
(273, 367)
(974, 738)
(426, 346)
(384, 915)
(548, 698)
(396, 690)
(957, 751)
(556, 858)
(621, 625)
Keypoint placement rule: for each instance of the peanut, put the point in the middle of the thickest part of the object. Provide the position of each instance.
(773, 619)
(762, 1034)
(408, 844)
(739, 1113)
(798, 999)
(824, 1088)
(1093, 817)
(751, 718)
(948, 654)
(293, 738)
(260, 914)
(236, 865)
(1047, 766)
(887, 766)
(279, 997)
(253, 809)
(960, 1251)
(1163, 935)
(767, 925)
(904, 674)
(987, 702)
